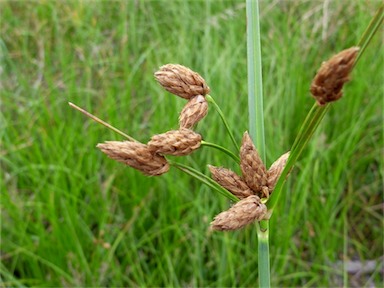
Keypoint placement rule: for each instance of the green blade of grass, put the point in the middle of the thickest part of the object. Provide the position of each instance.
(42, 261)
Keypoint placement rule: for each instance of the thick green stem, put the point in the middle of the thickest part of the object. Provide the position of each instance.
(255, 83)
(256, 123)
(263, 253)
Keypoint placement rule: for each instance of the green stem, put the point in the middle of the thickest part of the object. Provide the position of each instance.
(302, 130)
(263, 253)
(222, 149)
(221, 114)
(255, 83)
(371, 30)
(256, 124)
(204, 179)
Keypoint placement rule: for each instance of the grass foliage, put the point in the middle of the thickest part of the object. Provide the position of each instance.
(72, 217)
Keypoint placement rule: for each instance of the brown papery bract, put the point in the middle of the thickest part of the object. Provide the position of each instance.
(333, 74)
(175, 142)
(241, 214)
(181, 81)
(135, 155)
(275, 170)
(230, 181)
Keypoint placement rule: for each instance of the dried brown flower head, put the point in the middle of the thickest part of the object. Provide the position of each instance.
(175, 142)
(329, 80)
(230, 181)
(252, 167)
(275, 170)
(181, 81)
(193, 111)
(136, 155)
(242, 213)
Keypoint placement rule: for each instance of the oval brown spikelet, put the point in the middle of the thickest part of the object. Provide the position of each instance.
(230, 181)
(252, 167)
(242, 213)
(193, 111)
(181, 81)
(136, 155)
(175, 142)
(275, 170)
(329, 80)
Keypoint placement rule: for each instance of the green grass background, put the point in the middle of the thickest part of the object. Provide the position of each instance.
(72, 217)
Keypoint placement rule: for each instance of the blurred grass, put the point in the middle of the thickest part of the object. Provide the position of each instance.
(72, 217)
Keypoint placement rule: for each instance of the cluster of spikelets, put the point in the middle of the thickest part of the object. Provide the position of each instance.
(256, 182)
(149, 158)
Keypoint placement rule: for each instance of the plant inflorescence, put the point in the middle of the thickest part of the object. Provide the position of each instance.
(256, 184)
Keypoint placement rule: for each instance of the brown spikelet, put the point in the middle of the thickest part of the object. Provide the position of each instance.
(181, 81)
(242, 213)
(275, 170)
(193, 112)
(230, 181)
(136, 155)
(252, 167)
(175, 142)
(329, 80)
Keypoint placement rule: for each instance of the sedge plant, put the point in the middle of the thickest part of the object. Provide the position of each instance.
(257, 190)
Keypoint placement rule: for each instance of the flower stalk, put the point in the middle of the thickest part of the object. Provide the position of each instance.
(256, 124)
(226, 125)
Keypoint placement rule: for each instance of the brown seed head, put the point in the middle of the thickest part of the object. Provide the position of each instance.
(175, 142)
(329, 80)
(275, 170)
(193, 112)
(252, 167)
(136, 155)
(230, 181)
(242, 213)
(181, 81)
